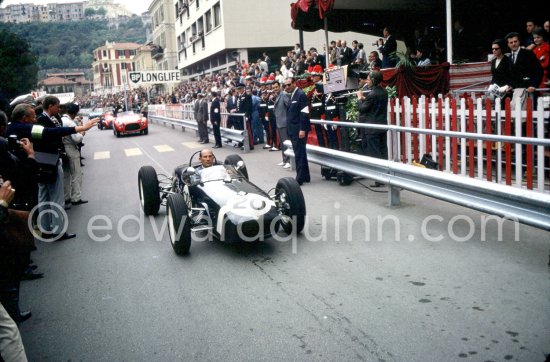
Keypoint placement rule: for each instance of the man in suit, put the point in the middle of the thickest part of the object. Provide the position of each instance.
(202, 118)
(346, 54)
(244, 105)
(373, 108)
(280, 107)
(298, 127)
(388, 48)
(526, 70)
(216, 119)
(50, 194)
(231, 107)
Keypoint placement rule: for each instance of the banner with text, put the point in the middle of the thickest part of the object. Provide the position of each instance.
(155, 77)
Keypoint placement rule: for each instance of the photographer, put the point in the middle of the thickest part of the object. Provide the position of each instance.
(16, 240)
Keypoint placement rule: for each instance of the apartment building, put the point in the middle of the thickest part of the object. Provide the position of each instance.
(163, 45)
(213, 35)
(111, 65)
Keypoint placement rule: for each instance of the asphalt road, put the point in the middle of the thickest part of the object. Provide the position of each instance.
(436, 287)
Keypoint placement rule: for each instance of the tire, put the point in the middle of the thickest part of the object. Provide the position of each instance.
(179, 224)
(149, 194)
(233, 160)
(100, 126)
(146, 131)
(344, 179)
(117, 133)
(291, 199)
(326, 173)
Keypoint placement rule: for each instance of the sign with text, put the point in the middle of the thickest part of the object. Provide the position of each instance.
(155, 77)
(335, 79)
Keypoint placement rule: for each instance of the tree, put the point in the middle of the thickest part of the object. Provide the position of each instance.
(101, 11)
(18, 66)
(89, 12)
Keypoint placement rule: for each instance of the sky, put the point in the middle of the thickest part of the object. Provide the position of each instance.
(135, 6)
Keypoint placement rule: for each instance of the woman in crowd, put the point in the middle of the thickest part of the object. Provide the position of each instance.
(542, 50)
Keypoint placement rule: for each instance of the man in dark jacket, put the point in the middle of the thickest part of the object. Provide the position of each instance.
(526, 70)
(298, 128)
(388, 48)
(373, 108)
(216, 119)
(202, 119)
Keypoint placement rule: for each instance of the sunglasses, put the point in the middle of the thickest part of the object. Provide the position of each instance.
(287, 84)
(496, 48)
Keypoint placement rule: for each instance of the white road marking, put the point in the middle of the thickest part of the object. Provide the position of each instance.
(133, 152)
(152, 159)
(163, 148)
(192, 144)
(102, 155)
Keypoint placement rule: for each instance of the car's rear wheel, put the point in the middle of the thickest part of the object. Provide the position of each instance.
(149, 194)
(233, 160)
(292, 203)
(179, 224)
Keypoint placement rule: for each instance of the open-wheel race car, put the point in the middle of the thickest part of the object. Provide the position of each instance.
(222, 201)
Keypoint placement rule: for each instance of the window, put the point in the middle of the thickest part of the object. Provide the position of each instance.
(208, 17)
(198, 4)
(217, 15)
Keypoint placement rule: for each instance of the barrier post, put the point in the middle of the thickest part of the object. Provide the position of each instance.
(529, 133)
(508, 146)
(488, 144)
(471, 149)
(454, 141)
(246, 138)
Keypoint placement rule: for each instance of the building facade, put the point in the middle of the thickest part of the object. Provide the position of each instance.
(163, 46)
(74, 11)
(72, 82)
(111, 65)
(214, 35)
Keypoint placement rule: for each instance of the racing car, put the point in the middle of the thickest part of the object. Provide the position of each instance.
(222, 201)
(130, 123)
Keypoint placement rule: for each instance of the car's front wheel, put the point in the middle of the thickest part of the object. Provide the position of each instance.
(179, 224)
(292, 205)
(149, 194)
(145, 131)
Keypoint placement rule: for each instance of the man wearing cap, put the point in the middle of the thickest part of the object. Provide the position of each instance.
(216, 119)
(318, 103)
(244, 105)
(202, 118)
(264, 117)
(298, 128)
(373, 109)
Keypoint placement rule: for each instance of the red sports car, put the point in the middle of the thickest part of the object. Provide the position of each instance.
(130, 123)
(107, 120)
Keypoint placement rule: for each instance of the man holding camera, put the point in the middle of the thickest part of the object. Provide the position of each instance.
(388, 47)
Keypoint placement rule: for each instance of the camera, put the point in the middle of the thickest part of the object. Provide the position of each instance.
(14, 144)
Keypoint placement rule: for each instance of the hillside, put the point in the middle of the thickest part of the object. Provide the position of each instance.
(69, 45)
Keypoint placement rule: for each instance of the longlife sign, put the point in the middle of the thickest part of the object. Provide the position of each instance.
(158, 76)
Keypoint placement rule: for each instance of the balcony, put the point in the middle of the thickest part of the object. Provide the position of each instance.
(157, 52)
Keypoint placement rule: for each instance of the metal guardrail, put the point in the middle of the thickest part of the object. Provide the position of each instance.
(525, 206)
(238, 136)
